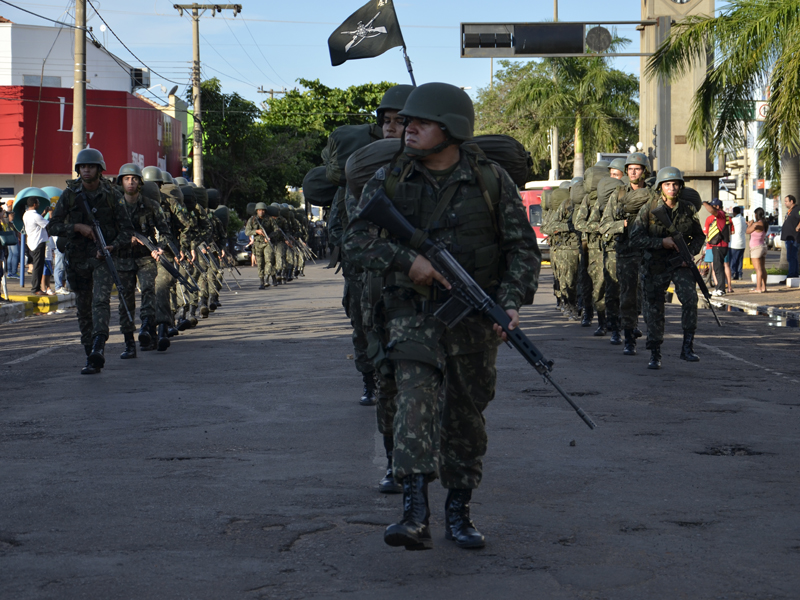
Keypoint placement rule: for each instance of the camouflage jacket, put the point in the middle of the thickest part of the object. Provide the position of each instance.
(148, 219)
(180, 221)
(108, 208)
(648, 233)
(612, 223)
(517, 255)
(252, 226)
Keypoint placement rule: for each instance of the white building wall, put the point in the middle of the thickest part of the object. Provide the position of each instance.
(23, 48)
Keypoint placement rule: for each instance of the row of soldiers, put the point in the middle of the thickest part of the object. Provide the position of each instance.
(280, 235)
(149, 230)
(614, 257)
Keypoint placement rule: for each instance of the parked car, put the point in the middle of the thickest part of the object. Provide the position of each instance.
(242, 248)
(774, 237)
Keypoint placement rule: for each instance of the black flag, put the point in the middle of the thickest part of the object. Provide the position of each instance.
(368, 32)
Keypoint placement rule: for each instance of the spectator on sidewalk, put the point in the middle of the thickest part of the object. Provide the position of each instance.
(36, 239)
(59, 270)
(738, 240)
(718, 230)
(789, 233)
(48, 267)
(13, 251)
(757, 229)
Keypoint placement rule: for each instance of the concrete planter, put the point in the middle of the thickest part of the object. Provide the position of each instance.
(771, 279)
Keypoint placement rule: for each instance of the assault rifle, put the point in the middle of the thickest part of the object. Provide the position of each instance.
(208, 256)
(184, 264)
(685, 255)
(228, 262)
(166, 263)
(100, 242)
(263, 231)
(302, 246)
(466, 295)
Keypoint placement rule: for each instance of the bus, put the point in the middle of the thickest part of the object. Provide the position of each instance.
(532, 201)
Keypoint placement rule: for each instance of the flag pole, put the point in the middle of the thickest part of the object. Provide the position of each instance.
(409, 67)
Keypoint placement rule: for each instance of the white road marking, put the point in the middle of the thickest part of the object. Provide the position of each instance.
(34, 355)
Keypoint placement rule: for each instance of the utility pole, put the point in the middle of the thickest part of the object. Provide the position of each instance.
(271, 92)
(197, 135)
(554, 171)
(79, 88)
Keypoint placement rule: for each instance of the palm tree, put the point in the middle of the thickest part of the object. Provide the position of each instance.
(584, 95)
(755, 44)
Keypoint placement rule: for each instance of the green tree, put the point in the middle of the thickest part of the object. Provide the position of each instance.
(319, 109)
(243, 158)
(582, 95)
(754, 44)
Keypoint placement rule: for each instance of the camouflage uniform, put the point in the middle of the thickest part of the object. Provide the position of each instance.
(498, 248)
(179, 224)
(595, 260)
(264, 252)
(647, 234)
(135, 263)
(569, 249)
(279, 245)
(89, 277)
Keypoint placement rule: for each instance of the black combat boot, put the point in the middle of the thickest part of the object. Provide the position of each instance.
(163, 338)
(572, 313)
(89, 369)
(262, 286)
(587, 316)
(144, 333)
(413, 531)
(97, 357)
(130, 347)
(204, 307)
(602, 326)
(274, 280)
(637, 333)
(655, 357)
(388, 485)
(172, 331)
(212, 303)
(266, 281)
(181, 320)
(459, 527)
(287, 275)
(687, 350)
(613, 326)
(630, 343)
(368, 397)
(193, 316)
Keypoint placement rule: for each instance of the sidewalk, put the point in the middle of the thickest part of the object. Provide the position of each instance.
(24, 304)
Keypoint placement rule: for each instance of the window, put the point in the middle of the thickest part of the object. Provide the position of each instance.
(36, 80)
(535, 215)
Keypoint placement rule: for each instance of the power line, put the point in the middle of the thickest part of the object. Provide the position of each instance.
(40, 16)
(206, 66)
(262, 54)
(248, 54)
(126, 48)
(226, 62)
(177, 110)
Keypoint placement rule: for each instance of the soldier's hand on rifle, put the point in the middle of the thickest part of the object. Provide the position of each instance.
(259, 232)
(669, 244)
(156, 253)
(136, 240)
(423, 273)
(194, 256)
(84, 230)
(100, 254)
(513, 325)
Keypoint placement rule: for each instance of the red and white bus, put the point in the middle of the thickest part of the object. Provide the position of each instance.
(532, 200)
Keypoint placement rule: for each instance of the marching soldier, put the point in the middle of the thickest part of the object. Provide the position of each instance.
(259, 227)
(88, 274)
(652, 233)
(472, 205)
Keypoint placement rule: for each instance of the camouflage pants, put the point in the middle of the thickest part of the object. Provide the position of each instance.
(437, 433)
(351, 301)
(377, 334)
(655, 289)
(596, 271)
(584, 283)
(611, 280)
(567, 267)
(279, 257)
(164, 282)
(263, 253)
(92, 282)
(145, 270)
(628, 267)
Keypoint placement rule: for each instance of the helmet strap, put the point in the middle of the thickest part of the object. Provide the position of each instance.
(415, 153)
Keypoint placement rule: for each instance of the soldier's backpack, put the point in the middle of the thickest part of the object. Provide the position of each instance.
(342, 143)
(317, 190)
(509, 154)
(605, 188)
(692, 196)
(633, 201)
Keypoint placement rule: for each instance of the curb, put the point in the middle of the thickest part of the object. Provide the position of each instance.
(23, 306)
(759, 308)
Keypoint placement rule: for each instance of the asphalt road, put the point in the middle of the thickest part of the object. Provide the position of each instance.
(239, 465)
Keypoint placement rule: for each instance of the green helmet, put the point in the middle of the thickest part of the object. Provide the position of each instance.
(180, 181)
(603, 163)
(284, 205)
(213, 198)
(394, 99)
(275, 204)
(151, 174)
(575, 180)
(261, 206)
(132, 169)
(618, 164)
(564, 185)
(273, 211)
(445, 104)
(166, 177)
(668, 174)
(90, 156)
(638, 158)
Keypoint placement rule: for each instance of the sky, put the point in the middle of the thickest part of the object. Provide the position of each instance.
(271, 44)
